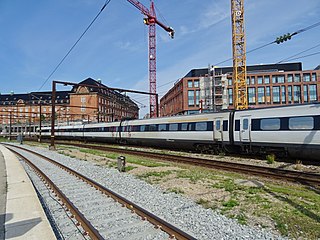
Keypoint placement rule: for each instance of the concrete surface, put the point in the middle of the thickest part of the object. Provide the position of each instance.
(25, 218)
(3, 195)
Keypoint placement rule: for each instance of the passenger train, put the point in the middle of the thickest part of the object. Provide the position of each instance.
(292, 131)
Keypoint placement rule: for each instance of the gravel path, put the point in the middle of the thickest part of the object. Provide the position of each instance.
(179, 211)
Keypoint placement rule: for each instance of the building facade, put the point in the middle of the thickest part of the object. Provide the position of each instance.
(209, 90)
(82, 103)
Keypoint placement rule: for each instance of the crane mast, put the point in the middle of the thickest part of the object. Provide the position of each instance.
(151, 20)
(239, 55)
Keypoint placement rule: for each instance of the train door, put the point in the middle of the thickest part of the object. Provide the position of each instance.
(245, 129)
(217, 132)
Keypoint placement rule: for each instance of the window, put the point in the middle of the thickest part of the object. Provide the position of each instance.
(274, 79)
(305, 93)
(289, 78)
(313, 92)
(142, 128)
(260, 95)
(201, 126)
(270, 124)
(191, 98)
(253, 80)
(152, 128)
(266, 79)
(276, 94)
(173, 127)
(162, 127)
(297, 94)
(260, 80)
(218, 123)
(297, 78)
(184, 126)
(283, 94)
(289, 94)
(248, 80)
(83, 99)
(268, 100)
(230, 96)
(245, 124)
(197, 97)
(306, 77)
(280, 79)
(225, 125)
(196, 83)
(189, 83)
(298, 123)
(230, 82)
(252, 95)
(314, 77)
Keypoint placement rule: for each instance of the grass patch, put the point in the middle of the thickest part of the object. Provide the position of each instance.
(176, 190)
(204, 202)
(195, 175)
(155, 174)
(271, 158)
(230, 204)
(145, 162)
(129, 168)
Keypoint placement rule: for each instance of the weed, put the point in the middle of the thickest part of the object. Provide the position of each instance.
(129, 168)
(230, 204)
(155, 174)
(271, 158)
(176, 190)
(242, 219)
(298, 165)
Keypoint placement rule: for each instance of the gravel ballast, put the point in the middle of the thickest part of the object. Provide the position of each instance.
(199, 222)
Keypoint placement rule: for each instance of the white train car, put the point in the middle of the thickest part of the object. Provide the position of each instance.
(291, 129)
(203, 131)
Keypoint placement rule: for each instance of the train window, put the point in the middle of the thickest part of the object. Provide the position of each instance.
(152, 128)
(209, 126)
(270, 124)
(142, 128)
(201, 126)
(245, 123)
(184, 126)
(301, 123)
(218, 124)
(225, 125)
(162, 127)
(237, 125)
(173, 127)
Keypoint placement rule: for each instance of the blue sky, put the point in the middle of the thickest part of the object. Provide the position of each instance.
(35, 35)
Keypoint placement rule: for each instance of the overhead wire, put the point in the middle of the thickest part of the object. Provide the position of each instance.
(275, 41)
(297, 54)
(309, 55)
(73, 46)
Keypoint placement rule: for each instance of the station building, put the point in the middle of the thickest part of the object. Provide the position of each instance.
(82, 103)
(211, 89)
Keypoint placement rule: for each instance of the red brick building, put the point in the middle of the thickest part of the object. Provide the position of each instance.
(88, 104)
(268, 85)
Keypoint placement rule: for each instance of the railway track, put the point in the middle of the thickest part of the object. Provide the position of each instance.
(102, 213)
(295, 176)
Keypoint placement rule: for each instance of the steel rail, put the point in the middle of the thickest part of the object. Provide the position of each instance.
(296, 176)
(85, 224)
(173, 231)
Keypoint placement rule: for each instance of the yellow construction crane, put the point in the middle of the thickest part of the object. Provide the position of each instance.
(239, 55)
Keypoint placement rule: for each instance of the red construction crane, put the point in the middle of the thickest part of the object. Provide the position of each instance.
(151, 20)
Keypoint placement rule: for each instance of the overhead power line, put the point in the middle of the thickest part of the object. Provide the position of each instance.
(73, 46)
(309, 55)
(288, 58)
(284, 38)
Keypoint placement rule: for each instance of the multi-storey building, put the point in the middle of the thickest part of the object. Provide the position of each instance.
(81, 103)
(271, 84)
